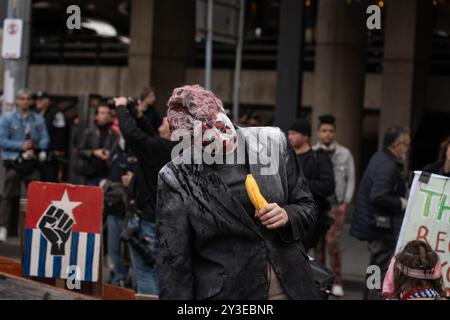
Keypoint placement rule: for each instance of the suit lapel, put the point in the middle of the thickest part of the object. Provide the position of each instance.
(265, 182)
(225, 199)
(215, 196)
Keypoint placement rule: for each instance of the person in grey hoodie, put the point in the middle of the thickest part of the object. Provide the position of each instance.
(344, 176)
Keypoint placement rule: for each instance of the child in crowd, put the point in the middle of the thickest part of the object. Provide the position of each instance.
(414, 274)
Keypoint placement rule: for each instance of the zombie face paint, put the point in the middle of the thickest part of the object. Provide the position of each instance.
(223, 135)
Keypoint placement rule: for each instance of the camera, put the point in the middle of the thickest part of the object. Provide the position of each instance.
(139, 244)
(131, 104)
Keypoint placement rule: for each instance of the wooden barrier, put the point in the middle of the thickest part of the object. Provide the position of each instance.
(19, 288)
(13, 268)
(10, 266)
(141, 296)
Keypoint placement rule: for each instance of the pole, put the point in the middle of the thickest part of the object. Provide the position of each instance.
(3, 13)
(209, 44)
(15, 70)
(238, 64)
(289, 63)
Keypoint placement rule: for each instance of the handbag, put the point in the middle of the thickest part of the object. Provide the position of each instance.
(83, 167)
(323, 278)
(114, 198)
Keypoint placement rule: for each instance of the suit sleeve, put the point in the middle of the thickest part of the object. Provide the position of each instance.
(300, 207)
(350, 189)
(173, 243)
(383, 188)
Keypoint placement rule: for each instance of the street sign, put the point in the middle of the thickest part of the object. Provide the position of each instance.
(63, 227)
(222, 21)
(225, 24)
(427, 218)
(12, 38)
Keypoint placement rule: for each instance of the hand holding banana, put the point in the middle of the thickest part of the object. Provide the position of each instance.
(270, 214)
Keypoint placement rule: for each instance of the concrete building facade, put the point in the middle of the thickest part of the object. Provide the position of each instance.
(163, 53)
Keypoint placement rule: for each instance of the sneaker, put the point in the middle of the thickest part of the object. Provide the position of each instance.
(337, 291)
(3, 234)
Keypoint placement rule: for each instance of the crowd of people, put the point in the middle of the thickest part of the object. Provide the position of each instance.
(120, 152)
(190, 231)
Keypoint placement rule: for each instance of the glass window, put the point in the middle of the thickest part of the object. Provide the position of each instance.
(102, 39)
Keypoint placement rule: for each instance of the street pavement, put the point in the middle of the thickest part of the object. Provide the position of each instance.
(355, 259)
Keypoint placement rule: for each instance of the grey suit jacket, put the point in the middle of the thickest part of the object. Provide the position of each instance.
(208, 247)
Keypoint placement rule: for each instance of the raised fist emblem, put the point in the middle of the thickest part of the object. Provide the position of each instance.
(56, 226)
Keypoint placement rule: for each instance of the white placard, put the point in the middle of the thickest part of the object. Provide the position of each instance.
(427, 218)
(12, 38)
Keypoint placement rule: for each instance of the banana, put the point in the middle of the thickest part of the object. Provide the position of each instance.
(253, 193)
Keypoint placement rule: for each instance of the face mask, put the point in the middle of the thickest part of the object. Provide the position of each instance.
(223, 134)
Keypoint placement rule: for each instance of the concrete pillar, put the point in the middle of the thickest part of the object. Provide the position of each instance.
(289, 63)
(340, 69)
(1, 60)
(407, 46)
(173, 46)
(16, 70)
(141, 48)
(3, 11)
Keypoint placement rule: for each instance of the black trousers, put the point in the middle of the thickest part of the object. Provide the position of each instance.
(381, 254)
(11, 191)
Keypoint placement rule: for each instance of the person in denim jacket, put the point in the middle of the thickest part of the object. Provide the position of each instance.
(23, 140)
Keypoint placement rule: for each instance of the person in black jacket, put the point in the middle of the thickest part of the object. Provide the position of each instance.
(95, 147)
(152, 153)
(147, 104)
(211, 242)
(318, 171)
(381, 201)
(442, 166)
(58, 132)
(115, 205)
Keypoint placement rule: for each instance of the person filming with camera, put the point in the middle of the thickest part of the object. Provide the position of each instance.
(95, 147)
(153, 151)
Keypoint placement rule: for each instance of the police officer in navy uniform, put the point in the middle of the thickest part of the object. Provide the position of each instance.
(58, 132)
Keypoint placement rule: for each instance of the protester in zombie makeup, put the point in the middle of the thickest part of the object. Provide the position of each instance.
(211, 243)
